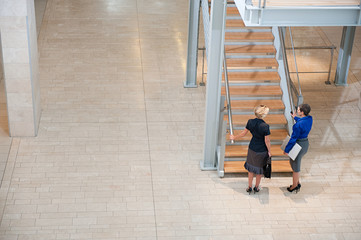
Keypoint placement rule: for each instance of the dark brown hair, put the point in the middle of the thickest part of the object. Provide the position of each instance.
(305, 108)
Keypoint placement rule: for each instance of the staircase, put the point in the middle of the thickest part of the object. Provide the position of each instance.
(253, 80)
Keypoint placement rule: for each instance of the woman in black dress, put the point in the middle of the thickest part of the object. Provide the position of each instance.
(259, 148)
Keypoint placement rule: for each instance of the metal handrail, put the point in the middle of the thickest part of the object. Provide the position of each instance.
(262, 5)
(228, 97)
(203, 49)
(332, 48)
(287, 72)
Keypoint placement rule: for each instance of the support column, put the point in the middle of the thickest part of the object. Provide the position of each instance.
(213, 91)
(20, 59)
(344, 55)
(192, 54)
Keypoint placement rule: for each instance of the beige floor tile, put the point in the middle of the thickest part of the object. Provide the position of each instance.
(120, 139)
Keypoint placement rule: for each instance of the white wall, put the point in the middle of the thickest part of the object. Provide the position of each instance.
(20, 56)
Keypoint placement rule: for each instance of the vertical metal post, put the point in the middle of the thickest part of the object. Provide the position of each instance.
(202, 82)
(213, 91)
(192, 54)
(330, 68)
(344, 55)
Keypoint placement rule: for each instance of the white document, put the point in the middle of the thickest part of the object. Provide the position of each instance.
(294, 151)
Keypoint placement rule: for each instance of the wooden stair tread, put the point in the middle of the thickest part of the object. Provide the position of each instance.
(232, 11)
(241, 120)
(253, 90)
(249, 36)
(245, 76)
(237, 166)
(234, 23)
(252, 62)
(250, 49)
(242, 150)
(251, 104)
(276, 134)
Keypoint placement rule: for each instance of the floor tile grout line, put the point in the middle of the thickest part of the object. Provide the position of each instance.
(7, 160)
(147, 127)
(10, 167)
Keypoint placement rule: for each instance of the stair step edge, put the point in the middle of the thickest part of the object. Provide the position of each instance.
(246, 142)
(254, 70)
(247, 30)
(248, 43)
(244, 97)
(245, 112)
(271, 126)
(253, 84)
(236, 159)
(234, 56)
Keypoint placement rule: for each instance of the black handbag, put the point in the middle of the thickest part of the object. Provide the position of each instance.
(267, 169)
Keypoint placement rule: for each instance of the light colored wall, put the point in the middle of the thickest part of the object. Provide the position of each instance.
(34, 63)
(1, 62)
(20, 56)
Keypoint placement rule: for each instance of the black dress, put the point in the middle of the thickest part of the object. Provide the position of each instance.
(257, 150)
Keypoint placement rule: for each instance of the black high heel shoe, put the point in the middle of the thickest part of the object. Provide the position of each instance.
(249, 190)
(256, 190)
(296, 189)
(298, 185)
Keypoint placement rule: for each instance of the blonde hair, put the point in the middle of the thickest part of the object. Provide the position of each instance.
(261, 111)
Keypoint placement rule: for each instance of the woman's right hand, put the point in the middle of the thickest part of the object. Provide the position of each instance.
(269, 154)
(232, 137)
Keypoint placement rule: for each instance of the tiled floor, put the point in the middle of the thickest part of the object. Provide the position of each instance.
(40, 6)
(120, 140)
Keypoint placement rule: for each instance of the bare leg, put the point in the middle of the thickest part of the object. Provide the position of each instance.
(258, 179)
(250, 179)
(296, 178)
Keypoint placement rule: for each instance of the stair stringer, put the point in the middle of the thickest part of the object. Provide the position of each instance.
(283, 82)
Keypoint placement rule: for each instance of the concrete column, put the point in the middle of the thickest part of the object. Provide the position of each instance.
(344, 55)
(193, 28)
(214, 76)
(20, 60)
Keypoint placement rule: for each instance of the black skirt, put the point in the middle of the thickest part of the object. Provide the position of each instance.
(255, 161)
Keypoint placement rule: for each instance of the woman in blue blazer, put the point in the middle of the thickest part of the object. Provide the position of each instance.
(300, 132)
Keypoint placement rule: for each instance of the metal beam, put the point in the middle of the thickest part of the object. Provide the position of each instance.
(309, 17)
(213, 91)
(299, 15)
(344, 55)
(193, 29)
